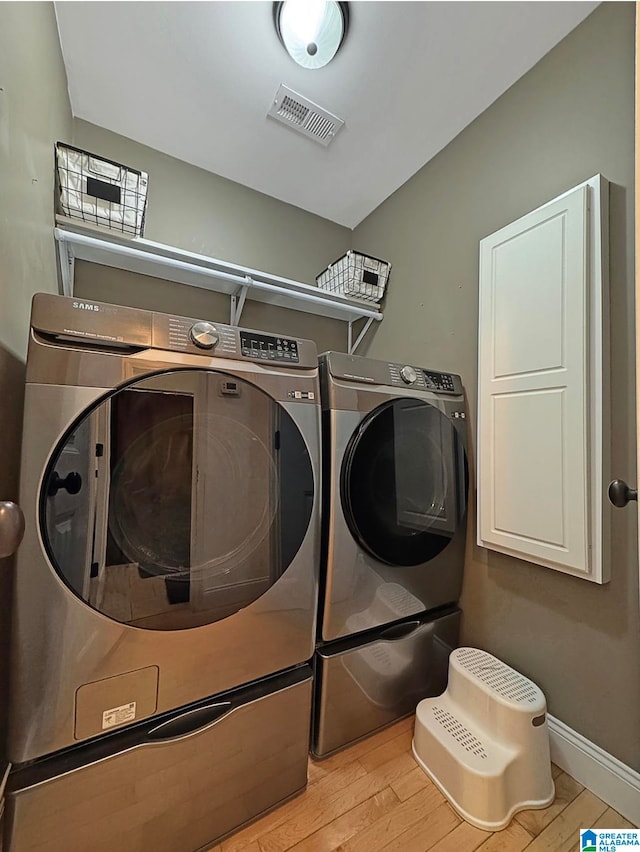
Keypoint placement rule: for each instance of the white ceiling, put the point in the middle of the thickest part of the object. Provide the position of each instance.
(195, 80)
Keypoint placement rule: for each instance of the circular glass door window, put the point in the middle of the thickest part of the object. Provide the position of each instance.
(404, 482)
(177, 500)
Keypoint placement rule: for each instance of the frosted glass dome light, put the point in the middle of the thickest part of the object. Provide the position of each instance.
(311, 30)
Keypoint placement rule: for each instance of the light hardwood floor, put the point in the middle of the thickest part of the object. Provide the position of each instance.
(373, 796)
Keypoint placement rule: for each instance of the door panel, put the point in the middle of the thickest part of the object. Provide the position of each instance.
(403, 482)
(181, 522)
(540, 418)
(361, 591)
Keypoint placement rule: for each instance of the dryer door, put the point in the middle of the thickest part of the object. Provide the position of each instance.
(404, 482)
(192, 493)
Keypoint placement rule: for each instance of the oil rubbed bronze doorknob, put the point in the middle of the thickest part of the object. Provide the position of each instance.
(620, 493)
(11, 528)
(72, 483)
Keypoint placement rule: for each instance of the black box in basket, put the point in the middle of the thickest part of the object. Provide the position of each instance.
(356, 276)
(101, 191)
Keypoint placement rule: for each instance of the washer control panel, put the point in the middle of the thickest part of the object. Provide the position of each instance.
(439, 381)
(131, 330)
(267, 347)
(223, 341)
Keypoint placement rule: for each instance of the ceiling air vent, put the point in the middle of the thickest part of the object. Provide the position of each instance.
(302, 115)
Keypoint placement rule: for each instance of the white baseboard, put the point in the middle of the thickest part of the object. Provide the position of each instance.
(611, 780)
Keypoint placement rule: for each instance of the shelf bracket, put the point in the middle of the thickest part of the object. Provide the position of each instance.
(351, 347)
(237, 301)
(67, 268)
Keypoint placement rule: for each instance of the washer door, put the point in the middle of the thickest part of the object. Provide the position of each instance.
(404, 482)
(177, 500)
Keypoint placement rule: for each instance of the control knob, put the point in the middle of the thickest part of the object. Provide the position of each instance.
(408, 375)
(204, 335)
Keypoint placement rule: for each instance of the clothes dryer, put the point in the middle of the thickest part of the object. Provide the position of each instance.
(394, 530)
(170, 486)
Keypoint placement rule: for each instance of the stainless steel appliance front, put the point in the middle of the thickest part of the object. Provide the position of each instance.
(366, 682)
(396, 481)
(170, 487)
(176, 784)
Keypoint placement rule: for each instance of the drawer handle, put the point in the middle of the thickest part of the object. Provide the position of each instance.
(399, 631)
(190, 723)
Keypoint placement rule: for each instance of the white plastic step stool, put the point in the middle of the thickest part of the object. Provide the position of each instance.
(485, 742)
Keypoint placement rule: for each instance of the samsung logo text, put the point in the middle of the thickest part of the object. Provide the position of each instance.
(83, 306)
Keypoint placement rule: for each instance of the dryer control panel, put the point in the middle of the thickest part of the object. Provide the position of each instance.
(430, 380)
(266, 347)
(354, 368)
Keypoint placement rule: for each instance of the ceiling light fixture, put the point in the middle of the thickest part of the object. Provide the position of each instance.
(311, 30)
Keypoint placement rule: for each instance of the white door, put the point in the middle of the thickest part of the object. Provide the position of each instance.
(535, 393)
(71, 505)
(236, 492)
(101, 418)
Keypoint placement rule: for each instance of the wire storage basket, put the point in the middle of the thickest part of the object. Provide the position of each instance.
(101, 191)
(356, 276)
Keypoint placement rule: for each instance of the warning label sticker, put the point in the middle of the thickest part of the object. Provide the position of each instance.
(118, 715)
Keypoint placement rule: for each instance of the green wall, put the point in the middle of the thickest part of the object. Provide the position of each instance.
(34, 114)
(569, 118)
(204, 213)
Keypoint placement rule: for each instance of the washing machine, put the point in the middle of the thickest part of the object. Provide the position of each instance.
(394, 531)
(166, 587)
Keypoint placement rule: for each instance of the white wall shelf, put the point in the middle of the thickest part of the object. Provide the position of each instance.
(145, 257)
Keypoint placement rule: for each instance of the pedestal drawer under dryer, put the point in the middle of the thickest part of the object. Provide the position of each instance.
(368, 681)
